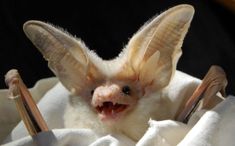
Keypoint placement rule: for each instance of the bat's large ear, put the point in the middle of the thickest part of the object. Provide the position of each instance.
(154, 50)
(67, 57)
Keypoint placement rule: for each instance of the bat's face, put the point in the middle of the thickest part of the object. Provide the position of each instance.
(114, 99)
(112, 89)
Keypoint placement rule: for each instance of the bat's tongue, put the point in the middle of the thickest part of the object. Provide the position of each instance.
(108, 109)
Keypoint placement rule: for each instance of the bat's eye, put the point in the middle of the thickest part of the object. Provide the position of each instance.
(92, 92)
(126, 90)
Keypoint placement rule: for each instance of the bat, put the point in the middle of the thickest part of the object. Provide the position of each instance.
(121, 94)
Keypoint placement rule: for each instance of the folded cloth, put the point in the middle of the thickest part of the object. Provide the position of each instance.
(164, 133)
(213, 128)
(72, 137)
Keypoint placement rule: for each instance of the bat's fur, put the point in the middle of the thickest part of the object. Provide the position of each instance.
(79, 115)
(146, 65)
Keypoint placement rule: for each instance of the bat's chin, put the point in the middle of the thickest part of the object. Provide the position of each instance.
(110, 111)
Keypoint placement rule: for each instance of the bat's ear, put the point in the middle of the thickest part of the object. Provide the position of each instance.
(67, 57)
(154, 50)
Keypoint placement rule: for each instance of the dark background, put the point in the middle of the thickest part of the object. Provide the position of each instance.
(105, 26)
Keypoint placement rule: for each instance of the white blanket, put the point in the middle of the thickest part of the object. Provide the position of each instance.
(215, 128)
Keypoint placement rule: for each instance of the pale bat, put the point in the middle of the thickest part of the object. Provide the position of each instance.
(121, 94)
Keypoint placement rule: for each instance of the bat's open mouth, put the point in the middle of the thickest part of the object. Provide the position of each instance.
(111, 110)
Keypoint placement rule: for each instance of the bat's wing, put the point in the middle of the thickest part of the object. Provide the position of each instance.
(67, 57)
(152, 53)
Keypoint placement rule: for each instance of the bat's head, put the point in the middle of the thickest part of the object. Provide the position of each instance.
(115, 87)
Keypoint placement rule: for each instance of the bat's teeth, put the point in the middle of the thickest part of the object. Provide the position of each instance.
(109, 108)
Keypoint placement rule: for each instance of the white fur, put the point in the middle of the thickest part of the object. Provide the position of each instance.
(134, 124)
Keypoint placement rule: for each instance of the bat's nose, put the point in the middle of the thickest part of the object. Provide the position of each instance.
(105, 93)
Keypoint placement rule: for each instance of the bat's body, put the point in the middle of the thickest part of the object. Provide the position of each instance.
(124, 93)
